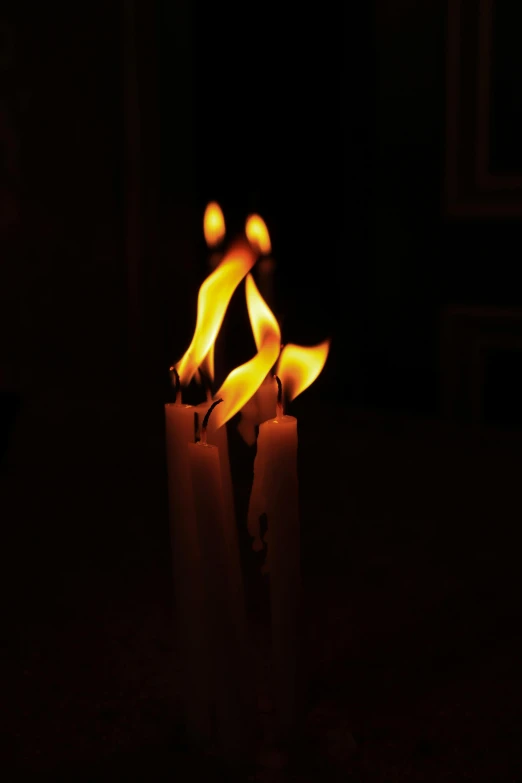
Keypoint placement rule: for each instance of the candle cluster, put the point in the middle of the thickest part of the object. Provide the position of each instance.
(211, 628)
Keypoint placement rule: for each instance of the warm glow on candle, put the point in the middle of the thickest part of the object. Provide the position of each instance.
(298, 367)
(244, 381)
(257, 234)
(213, 224)
(213, 298)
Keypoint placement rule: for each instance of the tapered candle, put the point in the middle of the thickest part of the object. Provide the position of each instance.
(275, 493)
(224, 598)
(298, 366)
(188, 578)
(218, 436)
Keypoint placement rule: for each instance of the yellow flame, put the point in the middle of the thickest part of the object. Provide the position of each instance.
(257, 234)
(262, 320)
(298, 367)
(213, 298)
(243, 382)
(213, 224)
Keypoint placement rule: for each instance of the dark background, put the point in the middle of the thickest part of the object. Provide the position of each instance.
(118, 123)
(333, 128)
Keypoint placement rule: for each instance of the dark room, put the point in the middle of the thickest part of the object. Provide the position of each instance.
(261, 391)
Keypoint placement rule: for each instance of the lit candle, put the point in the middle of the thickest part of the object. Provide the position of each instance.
(275, 493)
(188, 578)
(224, 598)
(297, 365)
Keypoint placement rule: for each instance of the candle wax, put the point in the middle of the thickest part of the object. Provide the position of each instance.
(219, 437)
(275, 492)
(188, 577)
(224, 598)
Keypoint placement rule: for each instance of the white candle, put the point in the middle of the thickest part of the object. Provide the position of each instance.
(275, 493)
(188, 578)
(224, 598)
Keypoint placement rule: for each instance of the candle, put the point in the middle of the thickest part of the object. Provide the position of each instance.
(224, 599)
(217, 436)
(275, 493)
(266, 399)
(188, 578)
(259, 408)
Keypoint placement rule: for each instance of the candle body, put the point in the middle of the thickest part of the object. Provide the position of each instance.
(218, 437)
(275, 492)
(187, 569)
(266, 397)
(224, 599)
(260, 408)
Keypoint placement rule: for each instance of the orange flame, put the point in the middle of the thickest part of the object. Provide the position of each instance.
(213, 224)
(244, 381)
(257, 234)
(298, 367)
(213, 298)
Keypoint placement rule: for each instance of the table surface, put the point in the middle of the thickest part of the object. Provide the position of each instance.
(410, 552)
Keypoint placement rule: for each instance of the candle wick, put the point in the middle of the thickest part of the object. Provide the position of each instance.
(205, 421)
(176, 382)
(279, 404)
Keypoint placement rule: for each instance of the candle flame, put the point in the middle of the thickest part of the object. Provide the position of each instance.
(213, 224)
(245, 380)
(213, 298)
(257, 234)
(298, 366)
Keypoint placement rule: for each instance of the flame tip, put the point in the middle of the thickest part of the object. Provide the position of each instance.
(257, 234)
(213, 224)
